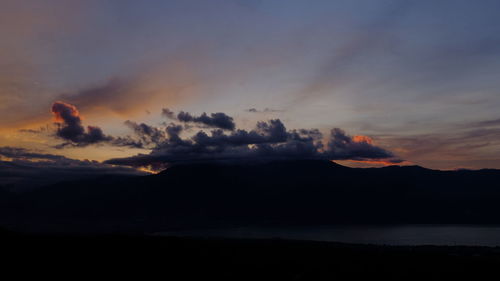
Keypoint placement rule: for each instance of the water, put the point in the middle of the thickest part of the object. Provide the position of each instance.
(380, 235)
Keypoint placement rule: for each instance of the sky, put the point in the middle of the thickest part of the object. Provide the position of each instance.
(407, 82)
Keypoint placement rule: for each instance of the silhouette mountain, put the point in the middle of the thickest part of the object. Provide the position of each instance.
(286, 193)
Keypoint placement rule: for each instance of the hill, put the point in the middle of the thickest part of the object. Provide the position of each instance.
(305, 192)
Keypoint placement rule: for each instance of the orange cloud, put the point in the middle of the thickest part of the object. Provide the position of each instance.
(381, 162)
(69, 109)
(362, 139)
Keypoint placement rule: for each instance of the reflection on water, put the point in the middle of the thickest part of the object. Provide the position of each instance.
(388, 235)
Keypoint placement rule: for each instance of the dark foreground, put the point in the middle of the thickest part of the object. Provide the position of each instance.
(170, 258)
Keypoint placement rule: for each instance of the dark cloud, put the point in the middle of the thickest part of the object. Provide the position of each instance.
(71, 128)
(267, 141)
(22, 153)
(265, 110)
(147, 134)
(343, 146)
(168, 113)
(22, 168)
(215, 120)
(265, 132)
(127, 141)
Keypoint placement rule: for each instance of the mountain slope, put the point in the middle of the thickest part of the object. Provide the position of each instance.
(275, 193)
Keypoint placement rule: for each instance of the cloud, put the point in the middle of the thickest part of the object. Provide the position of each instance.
(265, 110)
(215, 120)
(269, 140)
(25, 154)
(168, 113)
(343, 146)
(147, 134)
(22, 168)
(70, 126)
(471, 144)
(155, 85)
(113, 95)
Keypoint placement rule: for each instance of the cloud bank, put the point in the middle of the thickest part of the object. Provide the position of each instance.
(269, 140)
(217, 139)
(23, 168)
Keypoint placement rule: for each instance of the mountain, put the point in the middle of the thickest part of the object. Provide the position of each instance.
(307, 192)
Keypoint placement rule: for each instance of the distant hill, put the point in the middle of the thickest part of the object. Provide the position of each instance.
(308, 192)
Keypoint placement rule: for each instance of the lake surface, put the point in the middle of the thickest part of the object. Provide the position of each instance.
(381, 235)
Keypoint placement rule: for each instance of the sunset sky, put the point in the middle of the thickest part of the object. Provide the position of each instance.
(412, 81)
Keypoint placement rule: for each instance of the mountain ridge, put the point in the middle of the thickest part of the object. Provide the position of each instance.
(273, 193)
